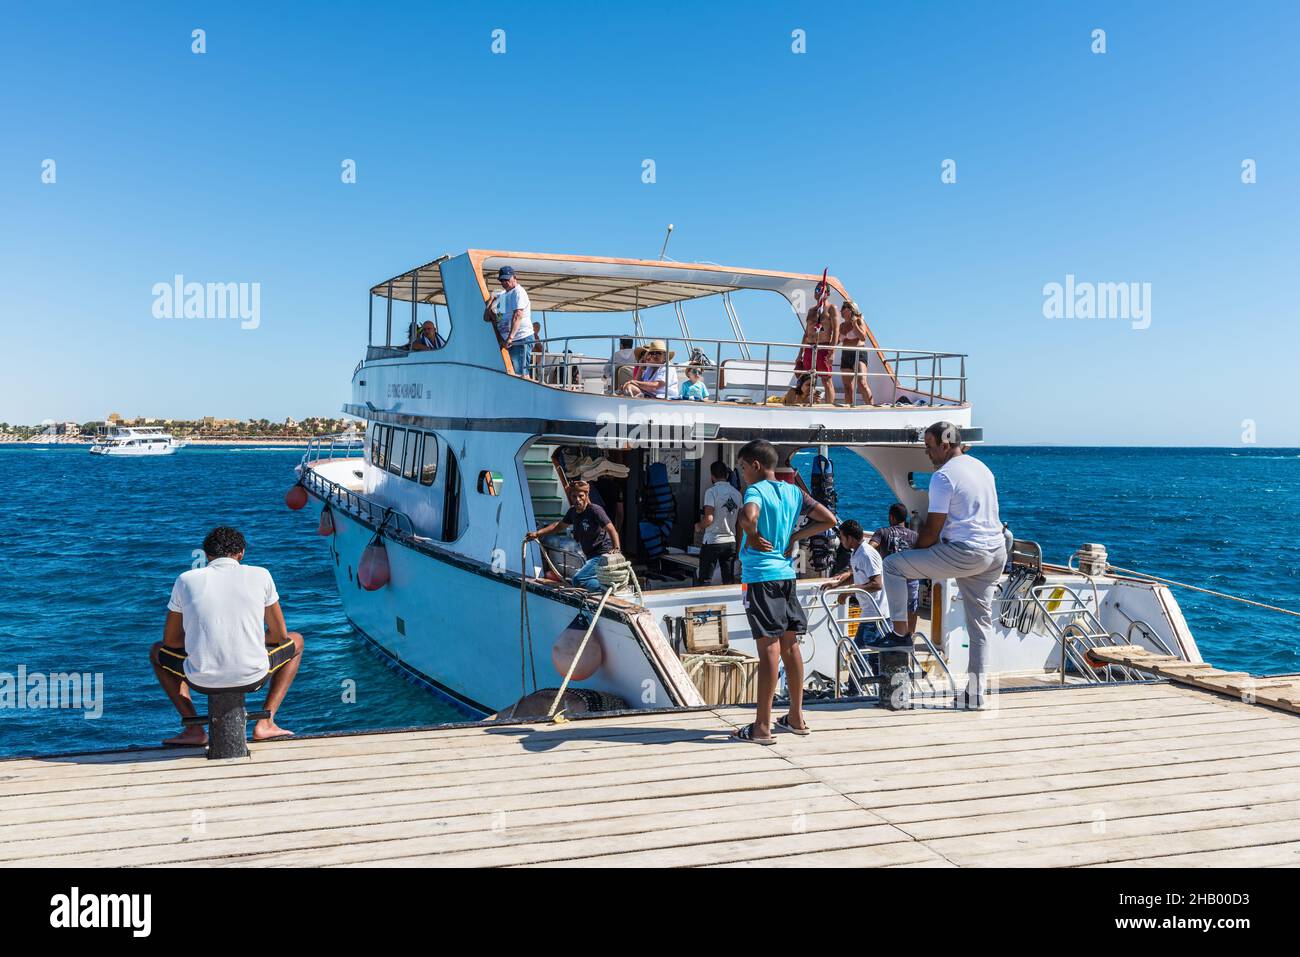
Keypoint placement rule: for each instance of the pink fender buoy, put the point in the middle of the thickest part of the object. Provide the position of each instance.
(296, 497)
(372, 570)
(566, 647)
(326, 526)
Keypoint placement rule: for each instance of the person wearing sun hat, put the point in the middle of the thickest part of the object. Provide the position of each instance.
(655, 377)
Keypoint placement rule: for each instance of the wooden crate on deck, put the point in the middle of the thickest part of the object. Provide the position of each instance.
(706, 629)
(725, 677)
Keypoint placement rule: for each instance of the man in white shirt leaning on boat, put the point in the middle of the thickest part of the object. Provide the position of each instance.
(963, 539)
(511, 314)
(225, 630)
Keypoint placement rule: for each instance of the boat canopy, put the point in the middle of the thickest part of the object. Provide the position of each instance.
(561, 283)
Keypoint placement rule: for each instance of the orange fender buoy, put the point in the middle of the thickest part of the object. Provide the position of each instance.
(296, 497)
(566, 647)
(326, 526)
(372, 570)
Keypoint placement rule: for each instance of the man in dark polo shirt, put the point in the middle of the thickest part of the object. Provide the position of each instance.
(594, 532)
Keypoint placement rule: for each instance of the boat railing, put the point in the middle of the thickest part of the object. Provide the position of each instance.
(739, 370)
(340, 445)
(1070, 619)
(396, 523)
(385, 352)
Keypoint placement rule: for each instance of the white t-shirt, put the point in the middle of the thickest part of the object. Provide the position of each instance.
(965, 490)
(667, 374)
(866, 564)
(725, 502)
(507, 303)
(223, 610)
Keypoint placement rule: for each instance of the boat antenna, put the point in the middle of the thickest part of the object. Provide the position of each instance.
(668, 235)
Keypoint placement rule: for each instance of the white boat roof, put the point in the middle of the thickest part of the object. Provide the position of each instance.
(564, 283)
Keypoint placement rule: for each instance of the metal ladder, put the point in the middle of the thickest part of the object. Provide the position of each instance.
(1076, 628)
(858, 670)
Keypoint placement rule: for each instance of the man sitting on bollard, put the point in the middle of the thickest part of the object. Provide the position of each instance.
(225, 629)
(962, 538)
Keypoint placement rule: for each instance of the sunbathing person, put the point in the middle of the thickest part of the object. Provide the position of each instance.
(801, 392)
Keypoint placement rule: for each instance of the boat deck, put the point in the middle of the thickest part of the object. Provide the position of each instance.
(1147, 774)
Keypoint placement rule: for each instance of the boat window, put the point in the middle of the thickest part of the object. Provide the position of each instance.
(426, 312)
(429, 470)
(489, 482)
(411, 460)
(395, 451)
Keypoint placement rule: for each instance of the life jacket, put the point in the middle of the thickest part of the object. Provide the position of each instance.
(822, 546)
(658, 509)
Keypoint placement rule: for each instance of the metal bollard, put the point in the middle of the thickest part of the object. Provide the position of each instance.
(895, 680)
(227, 721)
(227, 725)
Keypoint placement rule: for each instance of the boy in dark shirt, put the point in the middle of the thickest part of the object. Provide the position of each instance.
(594, 532)
(897, 537)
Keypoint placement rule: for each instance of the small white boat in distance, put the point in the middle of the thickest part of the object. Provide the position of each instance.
(133, 441)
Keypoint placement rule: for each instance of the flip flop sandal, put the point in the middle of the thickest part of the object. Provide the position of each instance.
(784, 724)
(747, 734)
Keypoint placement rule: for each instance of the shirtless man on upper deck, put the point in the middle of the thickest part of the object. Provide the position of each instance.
(820, 329)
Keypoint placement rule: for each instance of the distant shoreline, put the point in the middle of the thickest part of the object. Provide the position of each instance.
(81, 440)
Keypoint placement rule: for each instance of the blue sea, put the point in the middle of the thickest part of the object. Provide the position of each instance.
(90, 546)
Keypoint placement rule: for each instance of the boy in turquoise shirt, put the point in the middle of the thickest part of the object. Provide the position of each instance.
(768, 516)
(695, 387)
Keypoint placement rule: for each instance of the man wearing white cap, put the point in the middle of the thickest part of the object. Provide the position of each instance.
(512, 316)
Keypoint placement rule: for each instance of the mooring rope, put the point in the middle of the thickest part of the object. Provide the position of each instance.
(525, 628)
(1206, 591)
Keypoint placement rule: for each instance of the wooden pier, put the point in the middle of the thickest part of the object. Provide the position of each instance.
(1141, 774)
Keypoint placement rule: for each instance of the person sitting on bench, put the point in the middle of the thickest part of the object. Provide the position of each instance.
(595, 533)
(427, 338)
(225, 629)
(655, 376)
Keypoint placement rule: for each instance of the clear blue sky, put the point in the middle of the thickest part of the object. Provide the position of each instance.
(1122, 167)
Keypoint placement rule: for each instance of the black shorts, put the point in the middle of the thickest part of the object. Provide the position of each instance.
(172, 660)
(849, 360)
(773, 609)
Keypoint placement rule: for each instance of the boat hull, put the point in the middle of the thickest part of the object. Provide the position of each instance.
(454, 626)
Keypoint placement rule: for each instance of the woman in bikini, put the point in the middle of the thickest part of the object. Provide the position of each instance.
(853, 364)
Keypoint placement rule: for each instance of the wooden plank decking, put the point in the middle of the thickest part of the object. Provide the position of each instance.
(1121, 775)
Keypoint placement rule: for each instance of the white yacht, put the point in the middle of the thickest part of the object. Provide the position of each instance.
(122, 440)
(465, 455)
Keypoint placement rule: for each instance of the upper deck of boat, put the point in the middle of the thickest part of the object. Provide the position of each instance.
(615, 295)
(1104, 775)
